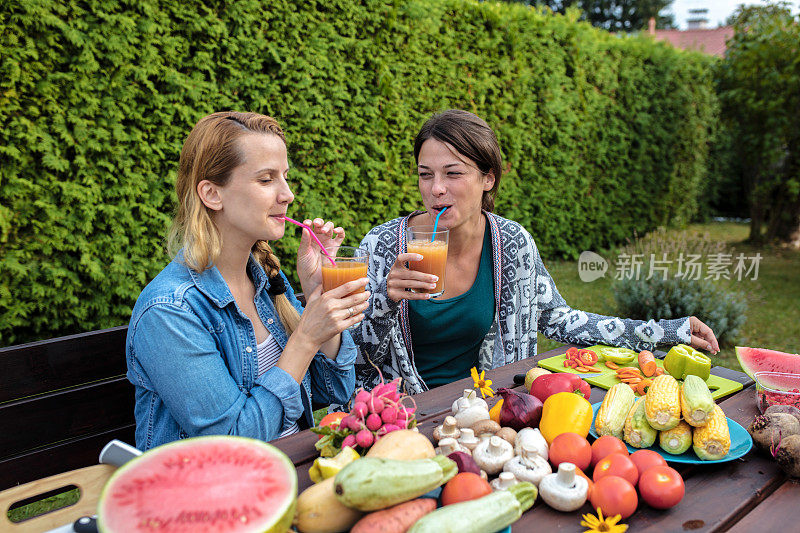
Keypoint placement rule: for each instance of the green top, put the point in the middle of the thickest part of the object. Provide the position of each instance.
(446, 335)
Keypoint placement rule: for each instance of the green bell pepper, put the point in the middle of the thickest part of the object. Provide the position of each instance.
(683, 360)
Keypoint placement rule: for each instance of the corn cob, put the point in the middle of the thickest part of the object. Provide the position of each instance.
(713, 441)
(662, 403)
(696, 401)
(638, 433)
(676, 440)
(614, 410)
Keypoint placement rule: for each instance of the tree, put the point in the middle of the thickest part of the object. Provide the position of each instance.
(614, 15)
(758, 84)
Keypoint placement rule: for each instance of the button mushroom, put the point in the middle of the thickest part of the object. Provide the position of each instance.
(471, 395)
(467, 413)
(449, 445)
(529, 466)
(564, 490)
(468, 439)
(483, 428)
(508, 434)
(491, 454)
(449, 428)
(534, 439)
(505, 481)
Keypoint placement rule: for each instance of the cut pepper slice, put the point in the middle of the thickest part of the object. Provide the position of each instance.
(683, 360)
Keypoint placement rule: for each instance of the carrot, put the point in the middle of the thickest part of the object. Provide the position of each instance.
(584, 368)
(612, 365)
(631, 381)
(627, 371)
(642, 385)
(660, 371)
(395, 519)
(647, 362)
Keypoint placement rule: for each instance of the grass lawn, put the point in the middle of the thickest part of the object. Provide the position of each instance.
(773, 299)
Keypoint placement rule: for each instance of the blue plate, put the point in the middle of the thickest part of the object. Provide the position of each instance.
(741, 442)
(437, 492)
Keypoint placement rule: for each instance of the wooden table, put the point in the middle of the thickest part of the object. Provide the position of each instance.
(745, 495)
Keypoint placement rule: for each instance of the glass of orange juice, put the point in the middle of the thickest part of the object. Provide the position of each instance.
(351, 264)
(432, 246)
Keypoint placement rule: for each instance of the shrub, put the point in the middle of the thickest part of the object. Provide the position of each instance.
(723, 310)
(96, 99)
(678, 291)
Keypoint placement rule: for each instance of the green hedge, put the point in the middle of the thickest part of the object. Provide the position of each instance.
(602, 134)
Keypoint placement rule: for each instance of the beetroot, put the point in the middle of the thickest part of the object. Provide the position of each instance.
(520, 409)
(465, 462)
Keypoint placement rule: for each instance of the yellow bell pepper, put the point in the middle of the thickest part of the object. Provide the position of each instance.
(565, 412)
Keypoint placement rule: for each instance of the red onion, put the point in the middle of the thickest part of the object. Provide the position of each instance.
(520, 409)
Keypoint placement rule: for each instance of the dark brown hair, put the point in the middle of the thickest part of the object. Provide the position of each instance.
(472, 138)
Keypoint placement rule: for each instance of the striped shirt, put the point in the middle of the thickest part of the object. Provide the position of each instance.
(268, 353)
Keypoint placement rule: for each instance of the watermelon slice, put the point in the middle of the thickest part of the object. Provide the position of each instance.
(202, 484)
(762, 360)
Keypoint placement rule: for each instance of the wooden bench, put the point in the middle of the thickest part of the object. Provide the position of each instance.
(61, 401)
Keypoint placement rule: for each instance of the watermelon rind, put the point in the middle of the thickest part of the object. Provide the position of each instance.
(278, 521)
(755, 360)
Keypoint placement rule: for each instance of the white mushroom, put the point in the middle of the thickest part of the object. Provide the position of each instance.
(505, 481)
(491, 454)
(528, 466)
(449, 445)
(472, 396)
(468, 414)
(564, 490)
(449, 428)
(534, 439)
(468, 439)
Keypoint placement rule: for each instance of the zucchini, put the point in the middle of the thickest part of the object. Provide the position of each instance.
(372, 483)
(492, 512)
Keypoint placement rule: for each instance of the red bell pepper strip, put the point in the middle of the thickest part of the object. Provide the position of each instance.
(553, 383)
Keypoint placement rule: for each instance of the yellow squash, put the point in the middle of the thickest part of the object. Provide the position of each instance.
(565, 412)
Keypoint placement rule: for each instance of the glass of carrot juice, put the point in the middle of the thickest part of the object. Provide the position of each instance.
(351, 264)
(432, 246)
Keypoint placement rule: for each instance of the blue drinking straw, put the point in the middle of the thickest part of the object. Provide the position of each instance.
(436, 223)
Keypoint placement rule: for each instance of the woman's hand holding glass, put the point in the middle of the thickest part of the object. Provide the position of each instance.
(309, 261)
(329, 313)
(401, 278)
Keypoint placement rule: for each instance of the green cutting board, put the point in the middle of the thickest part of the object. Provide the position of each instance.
(607, 378)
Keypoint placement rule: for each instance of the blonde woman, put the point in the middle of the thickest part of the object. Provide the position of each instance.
(218, 343)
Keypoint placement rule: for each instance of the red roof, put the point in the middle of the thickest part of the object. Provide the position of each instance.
(710, 41)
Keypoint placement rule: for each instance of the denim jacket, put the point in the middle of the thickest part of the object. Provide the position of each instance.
(191, 355)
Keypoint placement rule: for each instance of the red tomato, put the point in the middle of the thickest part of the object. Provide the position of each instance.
(616, 464)
(606, 445)
(661, 487)
(464, 487)
(644, 459)
(614, 496)
(570, 448)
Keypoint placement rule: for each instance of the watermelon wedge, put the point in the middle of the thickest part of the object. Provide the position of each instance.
(763, 360)
(204, 484)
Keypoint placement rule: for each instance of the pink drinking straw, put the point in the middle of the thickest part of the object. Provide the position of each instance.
(311, 232)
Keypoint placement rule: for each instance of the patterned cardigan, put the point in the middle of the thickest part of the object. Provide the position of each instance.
(527, 302)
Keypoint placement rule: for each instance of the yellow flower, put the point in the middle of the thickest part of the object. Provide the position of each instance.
(598, 523)
(482, 384)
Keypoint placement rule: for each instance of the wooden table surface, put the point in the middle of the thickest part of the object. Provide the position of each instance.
(744, 495)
